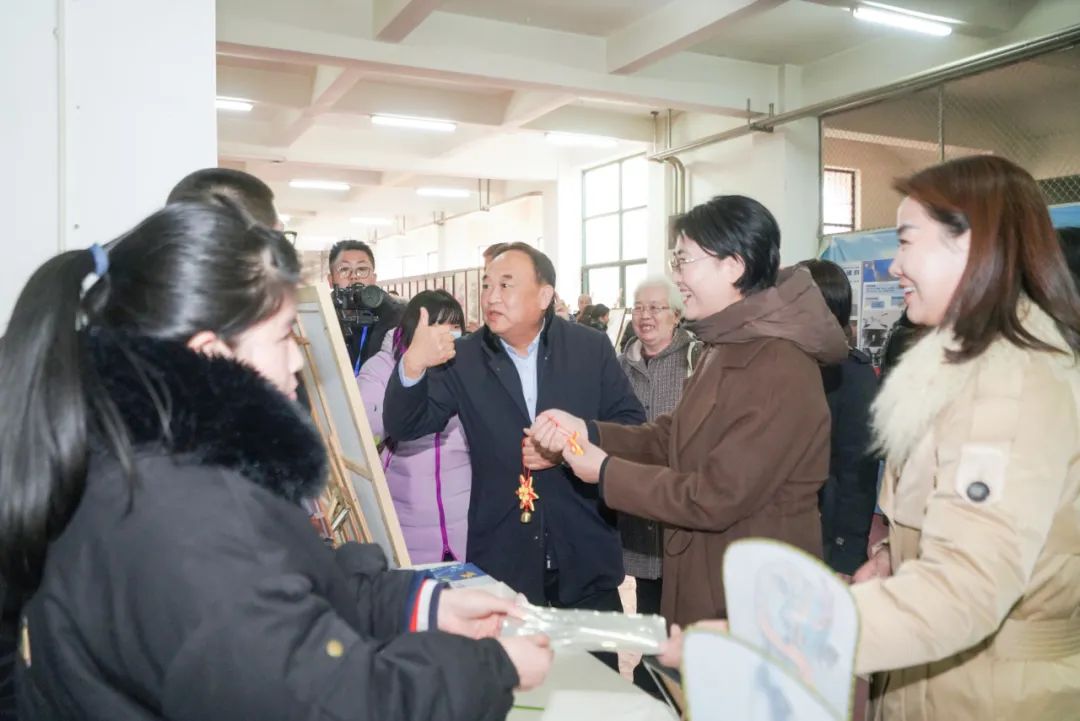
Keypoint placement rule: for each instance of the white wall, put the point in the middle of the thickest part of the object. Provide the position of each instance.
(110, 103)
(568, 267)
(778, 169)
(138, 110)
(877, 167)
(29, 134)
(460, 241)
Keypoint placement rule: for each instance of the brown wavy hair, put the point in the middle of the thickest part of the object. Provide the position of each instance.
(1014, 251)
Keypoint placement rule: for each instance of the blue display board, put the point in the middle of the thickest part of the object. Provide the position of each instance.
(878, 244)
(877, 302)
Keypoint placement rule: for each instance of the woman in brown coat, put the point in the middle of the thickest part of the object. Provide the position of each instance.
(747, 448)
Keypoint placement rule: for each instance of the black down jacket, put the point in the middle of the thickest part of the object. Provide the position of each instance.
(204, 593)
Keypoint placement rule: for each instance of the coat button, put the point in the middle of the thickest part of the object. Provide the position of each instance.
(334, 648)
(978, 491)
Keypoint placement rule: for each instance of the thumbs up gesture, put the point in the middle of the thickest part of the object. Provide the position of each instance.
(432, 345)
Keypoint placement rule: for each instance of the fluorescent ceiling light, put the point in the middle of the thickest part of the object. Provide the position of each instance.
(901, 20)
(403, 121)
(443, 192)
(580, 140)
(319, 185)
(913, 13)
(366, 220)
(236, 104)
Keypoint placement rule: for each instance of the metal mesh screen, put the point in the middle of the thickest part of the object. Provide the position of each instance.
(1028, 112)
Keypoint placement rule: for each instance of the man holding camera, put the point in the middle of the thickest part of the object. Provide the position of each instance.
(366, 312)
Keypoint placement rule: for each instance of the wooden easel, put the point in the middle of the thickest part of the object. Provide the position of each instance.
(356, 505)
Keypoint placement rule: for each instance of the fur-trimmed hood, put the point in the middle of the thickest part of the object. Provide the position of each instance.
(925, 383)
(219, 412)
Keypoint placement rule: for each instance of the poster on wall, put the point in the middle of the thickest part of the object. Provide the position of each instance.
(882, 303)
(472, 309)
(459, 289)
(854, 271)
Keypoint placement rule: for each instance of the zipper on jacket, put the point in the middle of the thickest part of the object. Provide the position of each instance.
(446, 552)
(438, 501)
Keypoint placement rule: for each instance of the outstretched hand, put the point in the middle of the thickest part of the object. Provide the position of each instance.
(553, 430)
(474, 613)
(536, 458)
(557, 431)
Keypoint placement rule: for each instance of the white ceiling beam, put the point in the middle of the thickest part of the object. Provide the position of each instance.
(284, 89)
(393, 20)
(525, 106)
(675, 27)
(549, 61)
(521, 108)
(456, 104)
(892, 141)
(328, 87)
(282, 172)
(593, 121)
(328, 153)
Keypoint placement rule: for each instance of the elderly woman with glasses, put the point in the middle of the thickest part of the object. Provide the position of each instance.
(658, 360)
(747, 448)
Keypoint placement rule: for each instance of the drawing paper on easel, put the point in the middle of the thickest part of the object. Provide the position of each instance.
(357, 505)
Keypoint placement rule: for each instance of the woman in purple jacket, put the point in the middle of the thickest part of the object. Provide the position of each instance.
(429, 478)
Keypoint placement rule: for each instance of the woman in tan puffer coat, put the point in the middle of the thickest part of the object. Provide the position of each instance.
(971, 608)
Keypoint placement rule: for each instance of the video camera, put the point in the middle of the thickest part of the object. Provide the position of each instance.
(355, 306)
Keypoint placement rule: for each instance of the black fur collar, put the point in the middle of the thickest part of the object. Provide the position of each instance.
(221, 413)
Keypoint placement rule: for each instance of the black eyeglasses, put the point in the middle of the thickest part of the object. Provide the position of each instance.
(346, 272)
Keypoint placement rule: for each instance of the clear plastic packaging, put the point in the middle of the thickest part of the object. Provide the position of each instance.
(584, 630)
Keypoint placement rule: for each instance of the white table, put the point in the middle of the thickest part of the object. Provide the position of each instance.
(570, 671)
(576, 671)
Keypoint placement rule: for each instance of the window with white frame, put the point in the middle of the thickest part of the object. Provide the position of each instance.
(614, 233)
(838, 201)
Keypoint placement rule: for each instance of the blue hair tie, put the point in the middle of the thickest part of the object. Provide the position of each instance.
(101, 260)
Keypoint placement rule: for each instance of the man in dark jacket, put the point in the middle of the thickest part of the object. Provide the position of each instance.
(352, 262)
(524, 361)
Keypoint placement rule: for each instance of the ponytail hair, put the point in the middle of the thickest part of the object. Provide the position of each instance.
(187, 268)
(44, 421)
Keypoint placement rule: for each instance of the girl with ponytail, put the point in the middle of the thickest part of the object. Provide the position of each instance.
(152, 465)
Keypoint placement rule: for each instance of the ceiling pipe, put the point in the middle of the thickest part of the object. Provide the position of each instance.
(446, 218)
(989, 60)
(677, 201)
